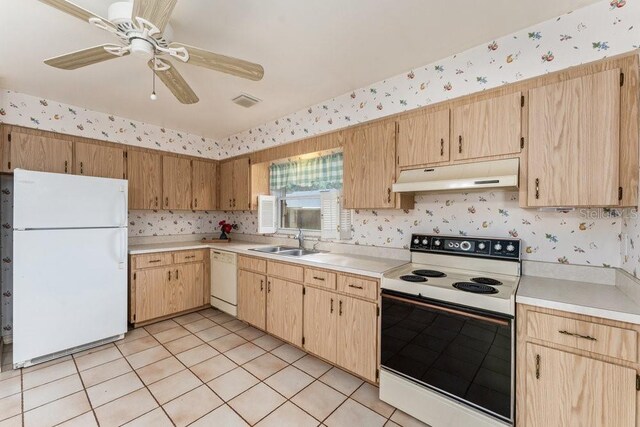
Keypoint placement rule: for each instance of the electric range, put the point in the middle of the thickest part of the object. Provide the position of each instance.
(447, 333)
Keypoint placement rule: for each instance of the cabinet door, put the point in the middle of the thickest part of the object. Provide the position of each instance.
(241, 196)
(320, 323)
(423, 139)
(185, 287)
(144, 171)
(176, 183)
(150, 286)
(369, 166)
(226, 186)
(252, 298)
(39, 153)
(203, 185)
(357, 344)
(284, 310)
(574, 142)
(99, 160)
(487, 128)
(565, 389)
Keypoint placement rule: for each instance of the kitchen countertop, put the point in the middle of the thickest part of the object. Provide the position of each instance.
(592, 299)
(356, 264)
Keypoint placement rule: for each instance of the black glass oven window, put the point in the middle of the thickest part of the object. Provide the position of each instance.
(465, 357)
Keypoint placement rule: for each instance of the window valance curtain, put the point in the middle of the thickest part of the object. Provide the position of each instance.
(318, 173)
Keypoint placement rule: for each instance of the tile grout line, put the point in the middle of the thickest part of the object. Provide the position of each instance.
(95, 417)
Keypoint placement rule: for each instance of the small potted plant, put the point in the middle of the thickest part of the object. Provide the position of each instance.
(226, 227)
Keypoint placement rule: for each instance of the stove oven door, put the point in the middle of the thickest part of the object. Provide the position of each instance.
(462, 353)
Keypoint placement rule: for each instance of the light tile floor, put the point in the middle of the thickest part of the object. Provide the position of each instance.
(200, 369)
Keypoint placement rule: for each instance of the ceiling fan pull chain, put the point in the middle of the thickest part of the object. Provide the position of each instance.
(153, 80)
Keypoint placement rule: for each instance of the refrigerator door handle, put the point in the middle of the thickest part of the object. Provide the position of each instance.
(123, 249)
(124, 207)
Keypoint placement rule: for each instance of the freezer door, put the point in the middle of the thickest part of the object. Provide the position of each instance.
(51, 200)
(69, 289)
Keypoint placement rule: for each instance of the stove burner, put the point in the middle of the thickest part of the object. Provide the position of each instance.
(412, 278)
(476, 288)
(429, 273)
(487, 281)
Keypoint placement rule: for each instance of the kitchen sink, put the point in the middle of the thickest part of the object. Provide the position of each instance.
(297, 252)
(274, 249)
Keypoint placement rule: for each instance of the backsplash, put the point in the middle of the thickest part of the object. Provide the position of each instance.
(165, 223)
(631, 227)
(30, 111)
(583, 236)
(604, 29)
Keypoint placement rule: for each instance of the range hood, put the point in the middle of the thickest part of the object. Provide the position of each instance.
(501, 174)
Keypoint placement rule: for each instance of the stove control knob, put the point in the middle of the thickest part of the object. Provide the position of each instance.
(465, 246)
(497, 247)
(436, 242)
(510, 247)
(416, 241)
(481, 246)
(425, 241)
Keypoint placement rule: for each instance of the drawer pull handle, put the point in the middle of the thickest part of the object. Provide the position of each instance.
(318, 278)
(261, 285)
(340, 310)
(356, 286)
(537, 188)
(154, 261)
(169, 275)
(189, 257)
(331, 305)
(572, 334)
(537, 366)
(441, 146)
(176, 274)
(268, 286)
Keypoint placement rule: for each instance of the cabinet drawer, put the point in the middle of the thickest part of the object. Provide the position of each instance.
(285, 271)
(187, 256)
(252, 264)
(322, 278)
(152, 260)
(594, 337)
(358, 286)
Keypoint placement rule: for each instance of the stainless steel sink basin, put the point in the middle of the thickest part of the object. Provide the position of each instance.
(274, 249)
(297, 252)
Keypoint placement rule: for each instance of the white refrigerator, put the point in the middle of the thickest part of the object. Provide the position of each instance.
(69, 264)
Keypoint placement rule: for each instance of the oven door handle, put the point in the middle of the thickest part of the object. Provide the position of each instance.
(493, 320)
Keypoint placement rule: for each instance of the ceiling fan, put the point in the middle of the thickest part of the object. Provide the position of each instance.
(143, 29)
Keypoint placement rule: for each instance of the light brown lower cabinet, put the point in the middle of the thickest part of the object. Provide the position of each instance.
(284, 310)
(252, 298)
(320, 323)
(165, 284)
(561, 383)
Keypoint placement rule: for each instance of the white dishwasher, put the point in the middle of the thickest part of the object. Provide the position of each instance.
(224, 290)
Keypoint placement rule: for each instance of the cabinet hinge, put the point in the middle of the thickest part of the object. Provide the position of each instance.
(621, 79)
(302, 340)
(9, 136)
(134, 318)
(304, 291)
(377, 373)
(9, 165)
(522, 142)
(521, 100)
(637, 382)
(378, 311)
(619, 193)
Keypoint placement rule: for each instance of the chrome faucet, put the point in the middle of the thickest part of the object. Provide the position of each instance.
(300, 237)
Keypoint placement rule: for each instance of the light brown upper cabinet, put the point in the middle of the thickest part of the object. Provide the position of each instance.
(39, 153)
(235, 185)
(369, 166)
(203, 185)
(99, 160)
(574, 142)
(176, 183)
(490, 127)
(144, 171)
(423, 138)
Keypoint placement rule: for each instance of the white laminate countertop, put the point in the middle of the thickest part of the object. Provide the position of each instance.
(356, 264)
(592, 299)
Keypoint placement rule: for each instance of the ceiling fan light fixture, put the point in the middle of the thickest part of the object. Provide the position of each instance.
(143, 48)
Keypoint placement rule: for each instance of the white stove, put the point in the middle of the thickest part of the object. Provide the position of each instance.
(447, 331)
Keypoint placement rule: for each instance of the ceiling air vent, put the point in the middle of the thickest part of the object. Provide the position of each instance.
(245, 100)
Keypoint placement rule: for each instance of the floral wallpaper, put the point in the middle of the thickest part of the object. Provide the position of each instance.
(165, 223)
(631, 229)
(30, 111)
(606, 28)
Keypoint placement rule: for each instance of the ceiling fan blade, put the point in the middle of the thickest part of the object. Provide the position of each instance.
(222, 63)
(72, 9)
(157, 12)
(175, 83)
(82, 58)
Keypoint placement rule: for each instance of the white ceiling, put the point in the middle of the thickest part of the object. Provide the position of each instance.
(311, 50)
